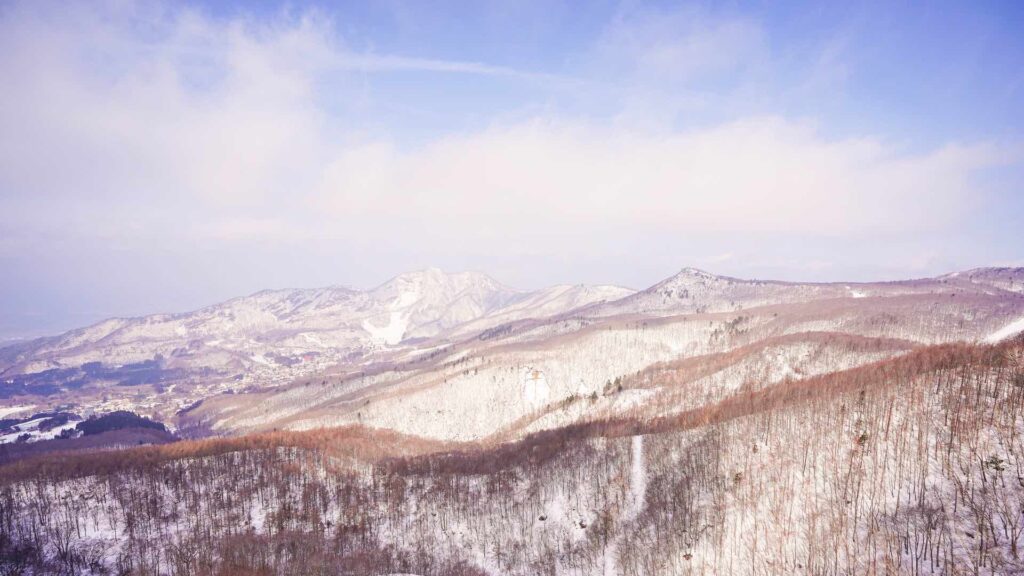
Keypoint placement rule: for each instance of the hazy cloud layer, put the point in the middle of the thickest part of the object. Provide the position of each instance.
(163, 132)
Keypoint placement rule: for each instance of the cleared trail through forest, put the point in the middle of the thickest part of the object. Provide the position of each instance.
(635, 497)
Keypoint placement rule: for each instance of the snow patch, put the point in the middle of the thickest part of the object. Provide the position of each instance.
(31, 429)
(1008, 331)
(6, 410)
(535, 387)
(637, 477)
(313, 339)
(398, 321)
(391, 333)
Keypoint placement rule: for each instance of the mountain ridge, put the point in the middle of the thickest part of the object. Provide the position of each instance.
(428, 319)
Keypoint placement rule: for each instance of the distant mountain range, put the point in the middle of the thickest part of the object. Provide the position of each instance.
(269, 338)
(442, 343)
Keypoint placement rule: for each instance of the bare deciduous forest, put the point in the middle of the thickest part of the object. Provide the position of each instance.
(912, 465)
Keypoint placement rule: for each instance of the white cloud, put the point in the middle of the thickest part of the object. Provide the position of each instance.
(160, 122)
(759, 174)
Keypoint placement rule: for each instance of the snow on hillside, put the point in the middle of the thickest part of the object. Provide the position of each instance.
(704, 425)
(693, 290)
(441, 354)
(1008, 279)
(481, 387)
(907, 466)
(546, 303)
(1008, 331)
(274, 337)
(45, 427)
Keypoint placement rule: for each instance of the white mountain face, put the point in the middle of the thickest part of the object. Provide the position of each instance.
(427, 303)
(273, 337)
(544, 304)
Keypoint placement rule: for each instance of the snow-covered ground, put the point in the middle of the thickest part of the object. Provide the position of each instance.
(276, 337)
(543, 374)
(1008, 331)
(6, 411)
(32, 431)
(837, 482)
(443, 355)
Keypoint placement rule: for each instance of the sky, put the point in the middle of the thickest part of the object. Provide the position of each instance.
(162, 156)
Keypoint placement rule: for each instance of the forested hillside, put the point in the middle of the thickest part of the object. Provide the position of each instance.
(909, 465)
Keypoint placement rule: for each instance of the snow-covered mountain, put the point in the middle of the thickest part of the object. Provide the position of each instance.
(705, 425)
(275, 336)
(530, 373)
(427, 303)
(1011, 279)
(335, 318)
(694, 290)
(428, 349)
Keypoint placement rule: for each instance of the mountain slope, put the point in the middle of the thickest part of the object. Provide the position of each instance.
(903, 466)
(539, 374)
(706, 425)
(267, 339)
(459, 356)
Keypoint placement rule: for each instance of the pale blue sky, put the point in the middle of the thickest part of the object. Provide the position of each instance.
(157, 157)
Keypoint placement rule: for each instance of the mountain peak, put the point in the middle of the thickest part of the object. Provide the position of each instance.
(691, 271)
(690, 275)
(1009, 279)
